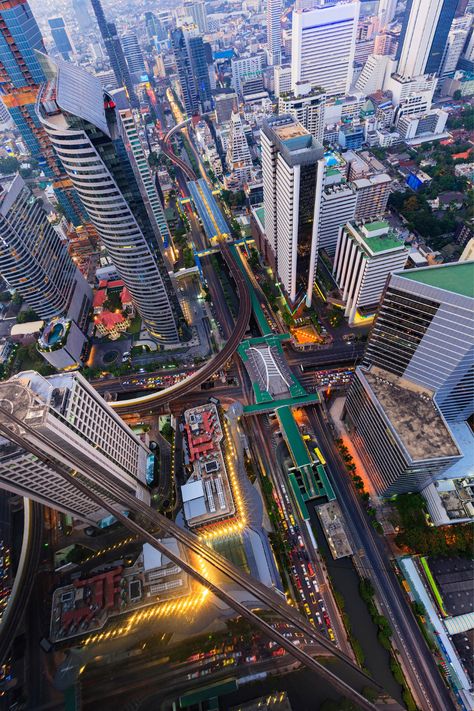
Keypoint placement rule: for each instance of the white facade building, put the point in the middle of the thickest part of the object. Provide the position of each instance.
(455, 44)
(282, 79)
(386, 12)
(197, 10)
(245, 69)
(338, 204)
(420, 30)
(365, 256)
(274, 11)
(375, 73)
(68, 412)
(323, 46)
(293, 175)
(412, 96)
(307, 105)
(238, 158)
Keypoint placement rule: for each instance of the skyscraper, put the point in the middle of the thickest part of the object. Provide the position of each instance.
(197, 10)
(60, 36)
(185, 71)
(66, 411)
(34, 260)
(293, 174)
(20, 78)
(83, 125)
(238, 158)
(145, 180)
(197, 53)
(133, 55)
(115, 53)
(81, 10)
(424, 35)
(365, 256)
(274, 11)
(307, 105)
(323, 47)
(386, 12)
(424, 333)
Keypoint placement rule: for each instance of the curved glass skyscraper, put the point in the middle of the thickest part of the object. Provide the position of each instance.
(82, 123)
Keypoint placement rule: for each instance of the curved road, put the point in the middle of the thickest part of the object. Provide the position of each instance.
(144, 403)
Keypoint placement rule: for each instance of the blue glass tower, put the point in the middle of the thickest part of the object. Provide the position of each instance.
(60, 36)
(20, 77)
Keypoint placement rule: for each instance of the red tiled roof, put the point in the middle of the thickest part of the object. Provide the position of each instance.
(115, 284)
(100, 297)
(109, 319)
(125, 296)
(103, 284)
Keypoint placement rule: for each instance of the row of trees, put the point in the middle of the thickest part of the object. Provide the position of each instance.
(419, 537)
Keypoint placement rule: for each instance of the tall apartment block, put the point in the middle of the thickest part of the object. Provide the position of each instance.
(115, 52)
(143, 175)
(34, 260)
(365, 256)
(424, 333)
(293, 174)
(84, 127)
(323, 47)
(20, 78)
(81, 10)
(274, 12)
(372, 196)
(307, 105)
(197, 10)
(65, 411)
(338, 204)
(238, 158)
(225, 105)
(424, 35)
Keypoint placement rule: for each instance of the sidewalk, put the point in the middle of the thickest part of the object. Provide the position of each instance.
(335, 413)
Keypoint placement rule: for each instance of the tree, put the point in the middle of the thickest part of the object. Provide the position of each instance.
(27, 315)
(254, 258)
(457, 95)
(17, 299)
(9, 165)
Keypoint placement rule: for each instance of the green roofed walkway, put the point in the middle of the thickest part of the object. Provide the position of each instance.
(258, 312)
(457, 278)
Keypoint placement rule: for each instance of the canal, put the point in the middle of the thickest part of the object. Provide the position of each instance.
(345, 581)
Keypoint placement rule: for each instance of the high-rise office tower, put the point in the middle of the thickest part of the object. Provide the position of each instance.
(454, 45)
(424, 332)
(20, 78)
(197, 10)
(133, 55)
(185, 71)
(81, 10)
(323, 47)
(65, 411)
(307, 105)
(35, 261)
(82, 123)
(274, 12)
(400, 434)
(154, 27)
(245, 69)
(198, 56)
(144, 178)
(293, 176)
(423, 37)
(386, 12)
(338, 204)
(115, 53)
(365, 256)
(60, 36)
(238, 158)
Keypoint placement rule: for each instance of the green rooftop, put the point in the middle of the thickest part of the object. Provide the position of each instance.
(377, 225)
(376, 243)
(260, 212)
(457, 278)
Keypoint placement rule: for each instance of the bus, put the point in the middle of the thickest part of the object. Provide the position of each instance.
(317, 452)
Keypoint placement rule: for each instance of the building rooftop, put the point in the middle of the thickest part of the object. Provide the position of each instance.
(457, 277)
(413, 415)
(377, 237)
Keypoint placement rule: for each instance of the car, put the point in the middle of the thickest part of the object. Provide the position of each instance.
(331, 634)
